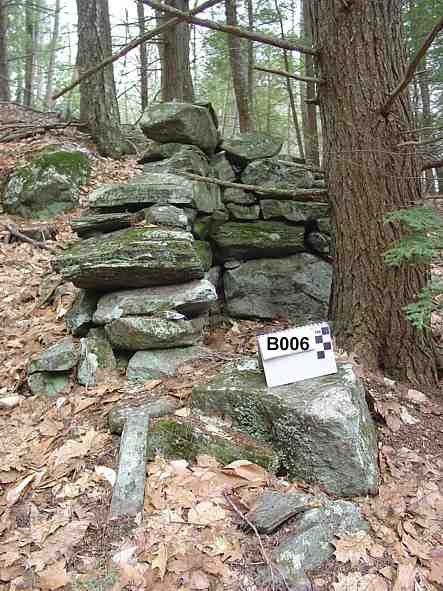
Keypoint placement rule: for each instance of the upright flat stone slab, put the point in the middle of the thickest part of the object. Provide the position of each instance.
(321, 427)
(180, 122)
(296, 287)
(139, 257)
(191, 299)
(129, 489)
(253, 240)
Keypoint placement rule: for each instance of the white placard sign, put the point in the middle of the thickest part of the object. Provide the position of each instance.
(296, 354)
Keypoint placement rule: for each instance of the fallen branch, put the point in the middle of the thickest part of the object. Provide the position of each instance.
(300, 195)
(36, 129)
(288, 75)
(132, 45)
(413, 66)
(12, 229)
(266, 39)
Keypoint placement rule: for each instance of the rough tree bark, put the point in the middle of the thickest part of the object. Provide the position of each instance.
(4, 70)
(98, 102)
(238, 70)
(30, 52)
(143, 56)
(362, 58)
(176, 78)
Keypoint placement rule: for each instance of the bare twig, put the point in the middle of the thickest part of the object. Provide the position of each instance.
(12, 229)
(419, 129)
(266, 39)
(132, 45)
(317, 195)
(288, 75)
(413, 66)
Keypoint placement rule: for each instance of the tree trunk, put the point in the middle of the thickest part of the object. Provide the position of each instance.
(143, 56)
(30, 55)
(310, 128)
(176, 79)
(4, 70)
(362, 58)
(52, 50)
(238, 70)
(251, 58)
(98, 102)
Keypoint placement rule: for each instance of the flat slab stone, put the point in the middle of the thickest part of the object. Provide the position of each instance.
(190, 299)
(296, 287)
(140, 257)
(182, 157)
(147, 365)
(59, 357)
(129, 489)
(243, 212)
(252, 240)
(167, 215)
(180, 122)
(156, 407)
(234, 195)
(136, 333)
(293, 211)
(90, 223)
(321, 427)
(275, 174)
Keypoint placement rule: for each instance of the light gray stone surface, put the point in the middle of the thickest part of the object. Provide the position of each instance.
(275, 174)
(59, 357)
(78, 318)
(243, 212)
(167, 215)
(95, 353)
(147, 365)
(293, 211)
(48, 383)
(156, 407)
(250, 146)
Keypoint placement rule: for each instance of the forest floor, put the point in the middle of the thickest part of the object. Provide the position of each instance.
(58, 461)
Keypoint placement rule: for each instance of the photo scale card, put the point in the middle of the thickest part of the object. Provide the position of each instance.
(296, 354)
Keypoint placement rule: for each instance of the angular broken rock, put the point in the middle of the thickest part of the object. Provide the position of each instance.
(59, 357)
(148, 365)
(180, 122)
(167, 215)
(190, 299)
(275, 174)
(250, 146)
(139, 257)
(95, 353)
(321, 427)
(136, 333)
(157, 407)
(91, 223)
(78, 318)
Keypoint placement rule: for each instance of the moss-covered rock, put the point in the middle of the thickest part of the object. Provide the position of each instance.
(91, 223)
(293, 211)
(188, 438)
(48, 383)
(251, 240)
(275, 174)
(321, 427)
(59, 357)
(139, 257)
(243, 212)
(204, 251)
(49, 184)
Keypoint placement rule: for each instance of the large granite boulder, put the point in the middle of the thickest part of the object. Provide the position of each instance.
(157, 188)
(295, 287)
(321, 427)
(137, 333)
(182, 123)
(190, 299)
(49, 184)
(139, 257)
(183, 157)
(292, 211)
(252, 240)
(275, 174)
(250, 146)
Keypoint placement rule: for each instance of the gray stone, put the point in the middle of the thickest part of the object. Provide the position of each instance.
(136, 333)
(313, 533)
(293, 211)
(139, 257)
(243, 212)
(234, 195)
(220, 168)
(272, 509)
(148, 365)
(155, 407)
(180, 122)
(129, 489)
(48, 383)
(49, 185)
(250, 146)
(190, 299)
(185, 158)
(59, 357)
(274, 174)
(215, 276)
(167, 215)
(295, 287)
(157, 189)
(251, 240)
(78, 318)
(90, 224)
(95, 353)
(321, 427)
